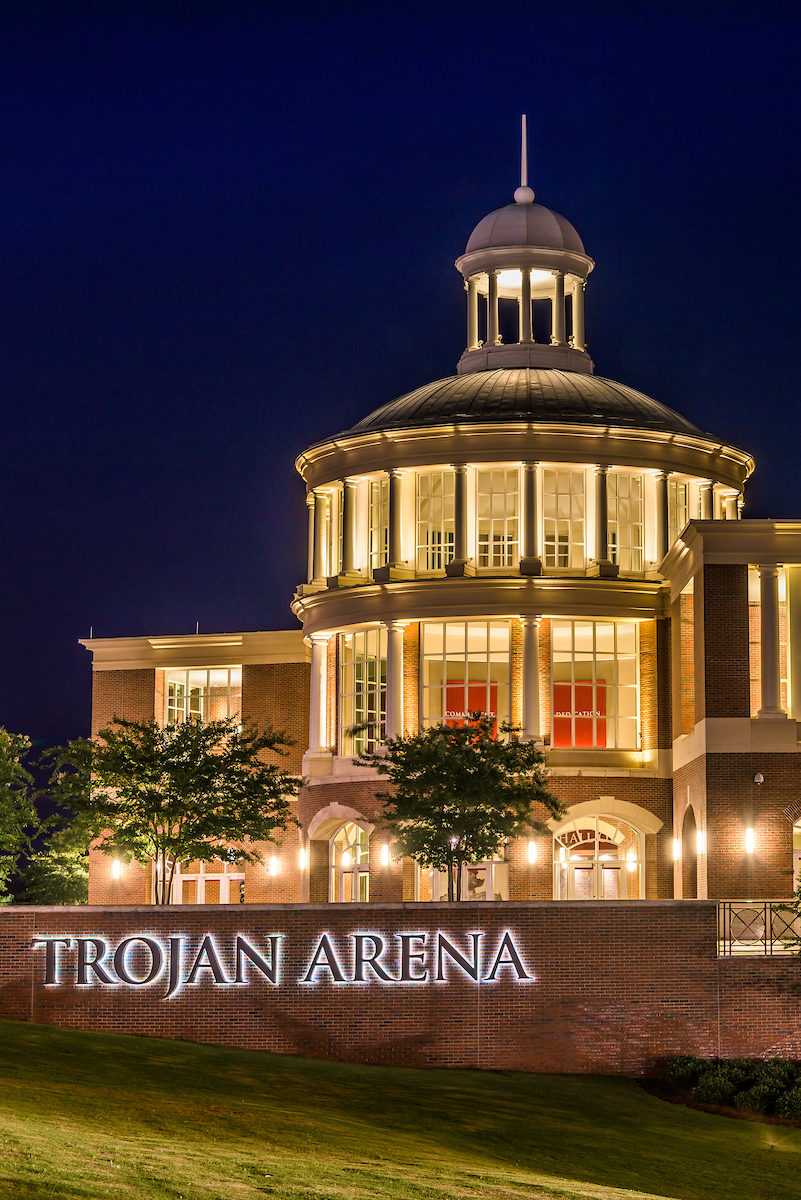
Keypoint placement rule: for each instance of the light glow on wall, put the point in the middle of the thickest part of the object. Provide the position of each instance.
(700, 841)
(385, 856)
(532, 852)
(514, 278)
(273, 865)
(749, 841)
(631, 860)
(346, 859)
(302, 860)
(115, 869)
(676, 849)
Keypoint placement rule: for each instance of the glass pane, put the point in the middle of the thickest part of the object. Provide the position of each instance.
(582, 883)
(211, 889)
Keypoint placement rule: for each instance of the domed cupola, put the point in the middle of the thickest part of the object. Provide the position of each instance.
(530, 257)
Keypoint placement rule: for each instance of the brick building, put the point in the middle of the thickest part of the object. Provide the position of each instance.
(528, 539)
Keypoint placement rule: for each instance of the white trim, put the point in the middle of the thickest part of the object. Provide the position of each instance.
(640, 818)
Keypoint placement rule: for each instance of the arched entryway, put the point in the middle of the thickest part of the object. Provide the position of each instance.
(689, 855)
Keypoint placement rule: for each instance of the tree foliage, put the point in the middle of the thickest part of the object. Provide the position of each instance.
(18, 817)
(176, 793)
(458, 792)
(58, 869)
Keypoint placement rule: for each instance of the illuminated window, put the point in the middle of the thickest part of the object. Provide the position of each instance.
(497, 504)
(333, 532)
(563, 518)
(594, 698)
(362, 689)
(465, 669)
(624, 497)
(678, 508)
(379, 523)
(755, 636)
(350, 864)
(480, 881)
(598, 858)
(211, 694)
(205, 883)
(435, 528)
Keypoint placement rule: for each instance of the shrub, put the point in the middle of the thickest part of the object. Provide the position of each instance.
(789, 1105)
(715, 1087)
(760, 1098)
(779, 1073)
(686, 1070)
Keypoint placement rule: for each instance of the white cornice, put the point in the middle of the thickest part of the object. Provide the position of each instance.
(197, 650)
(730, 542)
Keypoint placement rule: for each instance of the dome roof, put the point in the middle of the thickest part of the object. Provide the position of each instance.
(525, 394)
(525, 225)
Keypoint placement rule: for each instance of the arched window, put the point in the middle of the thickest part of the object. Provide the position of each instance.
(598, 858)
(350, 863)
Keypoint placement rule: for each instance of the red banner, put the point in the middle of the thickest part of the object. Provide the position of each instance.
(581, 702)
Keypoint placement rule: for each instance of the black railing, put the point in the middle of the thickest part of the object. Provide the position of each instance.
(758, 927)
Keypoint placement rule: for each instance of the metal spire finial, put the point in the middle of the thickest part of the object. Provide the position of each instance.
(524, 194)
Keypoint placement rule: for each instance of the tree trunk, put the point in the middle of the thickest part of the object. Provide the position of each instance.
(450, 880)
(458, 879)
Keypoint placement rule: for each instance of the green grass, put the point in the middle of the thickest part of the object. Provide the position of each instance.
(96, 1115)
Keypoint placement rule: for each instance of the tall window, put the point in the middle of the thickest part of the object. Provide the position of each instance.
(350, 864)
(625, 520)
(598, 858)
(435, 530)
(202, 695)
(755, 640)
(594, 690)
(678, 509)
(498, 510)
(465, 669)
(563, 518)
(362, 690)
(379, 523)
(334, 532)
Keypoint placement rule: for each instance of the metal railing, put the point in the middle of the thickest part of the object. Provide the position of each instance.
(758, 927)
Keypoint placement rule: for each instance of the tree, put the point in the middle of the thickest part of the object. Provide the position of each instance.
(58, 871)
(176, 793)
(459, 792)
(18, 817)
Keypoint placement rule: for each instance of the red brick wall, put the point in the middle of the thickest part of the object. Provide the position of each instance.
(129, 694)
(725, 638)
(276, 695)
(612, 988)
(411, 678)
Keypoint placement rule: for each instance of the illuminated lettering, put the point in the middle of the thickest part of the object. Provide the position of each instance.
(514, 961)
(176, 961)
(212, 962)
(85, 963)
(445, 947)
(51, 946)
(362, 960)
(410, 956)
(326, 950)
(244, 950)
(156, 960)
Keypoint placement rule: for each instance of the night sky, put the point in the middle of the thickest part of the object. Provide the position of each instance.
(228, 230)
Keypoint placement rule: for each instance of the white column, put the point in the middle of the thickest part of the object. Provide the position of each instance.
(705, 490)
(394, 679)
(318, 694)
(558, 310)
(578, 315)
(730, 508)
(661, 516)
(395, 531)
(530, 560)
(460, 512)
(348, 526)
(472, 315)
(310, 553)
(531, 678)
(320, 513)
(493, 332)
(525, 306)
(601, 516)
(769, 639)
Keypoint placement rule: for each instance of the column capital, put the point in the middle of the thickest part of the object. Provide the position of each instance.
(601, 469)
(768, 569)
(530, 620)
(310, 498)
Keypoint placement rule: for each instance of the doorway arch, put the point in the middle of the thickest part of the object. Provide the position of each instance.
(689, 855)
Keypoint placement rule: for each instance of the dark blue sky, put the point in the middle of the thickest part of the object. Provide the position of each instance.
(227, 230)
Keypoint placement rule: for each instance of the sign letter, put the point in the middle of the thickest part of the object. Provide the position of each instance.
(51, 946)
(324, 951)
(445, 947)
(362, 960)
(84, 963)
(410, 954)
(243, 951)
(156, 960)
(212, 962)
(514, 961)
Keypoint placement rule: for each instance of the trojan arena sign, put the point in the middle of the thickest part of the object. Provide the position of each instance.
(144, 960)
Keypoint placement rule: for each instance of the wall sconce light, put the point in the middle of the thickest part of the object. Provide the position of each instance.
(631, 860)
(532, 852)
(273, 865)
(700, 841)
(115, 869)
(345, 859)
(759, 778)
(385, 856)
(749, 841)
(302, 860)
(676, 849)
(562, 854)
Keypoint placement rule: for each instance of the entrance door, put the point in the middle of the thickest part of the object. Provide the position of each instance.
(598, 858)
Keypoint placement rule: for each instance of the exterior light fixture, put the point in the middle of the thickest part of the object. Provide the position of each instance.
(273, 865)
(700, 841)
(562, 855)
(115, 869)
(346, 859)
(385, 856)
(302, 860)
(749, 841)
(631, 860)
(759, 778)
(676, 849)
(532, 852)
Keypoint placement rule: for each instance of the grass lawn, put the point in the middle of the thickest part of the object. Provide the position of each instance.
(96, 1115)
